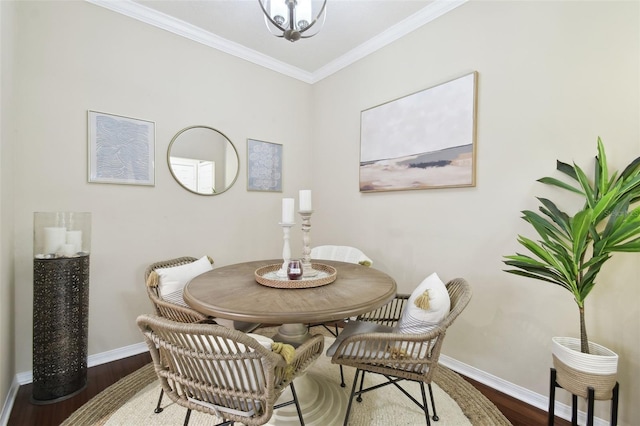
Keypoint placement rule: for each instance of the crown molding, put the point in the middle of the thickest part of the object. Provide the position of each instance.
(436, 9)
(160, 20)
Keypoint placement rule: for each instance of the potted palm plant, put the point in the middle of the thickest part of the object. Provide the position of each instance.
(571, 252)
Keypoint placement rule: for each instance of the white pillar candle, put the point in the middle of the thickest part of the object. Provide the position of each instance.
(287, 210)
(54, 237)
(305, 200)
(75, 238)
(67, 250)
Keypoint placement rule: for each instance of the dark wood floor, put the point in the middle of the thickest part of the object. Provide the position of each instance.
(25, 413)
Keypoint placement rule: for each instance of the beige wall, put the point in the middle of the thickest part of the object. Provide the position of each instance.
(74, 56)
(553, 76)
(7, 370)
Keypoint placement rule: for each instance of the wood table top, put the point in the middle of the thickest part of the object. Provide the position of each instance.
(232, 292)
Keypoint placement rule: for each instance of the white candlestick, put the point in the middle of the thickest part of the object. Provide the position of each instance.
(286, 249)
(305, 200)
(287, 210)
(54, 237)
(75, 238)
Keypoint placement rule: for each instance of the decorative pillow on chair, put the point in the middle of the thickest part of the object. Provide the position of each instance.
(427, 306)
(172, 280)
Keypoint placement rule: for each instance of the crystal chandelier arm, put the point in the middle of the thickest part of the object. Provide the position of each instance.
(324, 5)
(271, 19)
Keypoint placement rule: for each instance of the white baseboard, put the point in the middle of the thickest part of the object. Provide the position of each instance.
(518, 392)
(525, 395)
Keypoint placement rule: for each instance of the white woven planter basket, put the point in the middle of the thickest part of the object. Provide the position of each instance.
(576, 371)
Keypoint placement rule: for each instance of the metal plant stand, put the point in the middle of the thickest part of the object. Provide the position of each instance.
(60, 327)
(574, 403)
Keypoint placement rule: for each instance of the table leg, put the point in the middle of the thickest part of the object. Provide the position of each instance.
(293, 334)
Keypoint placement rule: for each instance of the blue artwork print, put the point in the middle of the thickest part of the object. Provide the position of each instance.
(121, 149)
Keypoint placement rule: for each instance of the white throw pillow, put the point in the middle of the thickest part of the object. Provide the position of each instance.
(417, 320)
(175, 278)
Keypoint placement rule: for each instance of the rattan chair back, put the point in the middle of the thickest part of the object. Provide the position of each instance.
(221, 371)
(165, 308)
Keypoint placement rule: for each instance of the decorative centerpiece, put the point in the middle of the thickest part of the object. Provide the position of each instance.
(269, 276)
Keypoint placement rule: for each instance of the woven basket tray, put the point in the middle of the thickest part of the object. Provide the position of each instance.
(266, 277)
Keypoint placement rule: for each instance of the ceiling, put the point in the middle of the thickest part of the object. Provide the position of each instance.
(352, 30)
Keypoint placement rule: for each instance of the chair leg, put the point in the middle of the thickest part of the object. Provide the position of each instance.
(158, 407)
(353, 391)
(433, 404)
(424, 403)
(342, 384)
(186, 419)
(359, 398)
(295, 401)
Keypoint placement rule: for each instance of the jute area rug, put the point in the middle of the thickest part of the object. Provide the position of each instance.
(131, 401)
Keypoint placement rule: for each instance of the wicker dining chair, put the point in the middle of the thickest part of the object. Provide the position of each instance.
(399, 356)
(342, 254)
(162, 307)
(176, 309)
(223, 372)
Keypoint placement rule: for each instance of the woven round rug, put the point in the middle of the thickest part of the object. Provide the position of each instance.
(131, 401)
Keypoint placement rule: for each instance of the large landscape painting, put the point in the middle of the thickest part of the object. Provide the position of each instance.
(421, 141)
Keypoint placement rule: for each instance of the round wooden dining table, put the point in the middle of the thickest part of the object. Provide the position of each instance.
(232, 292)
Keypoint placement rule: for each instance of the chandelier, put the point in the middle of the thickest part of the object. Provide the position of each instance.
(293, 19)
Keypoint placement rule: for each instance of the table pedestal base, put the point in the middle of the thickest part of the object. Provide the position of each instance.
(293, 334)
(322, 403)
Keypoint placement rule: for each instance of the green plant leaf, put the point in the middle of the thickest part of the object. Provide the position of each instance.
(586, 186)
(630, 169)
(579, 231)
(602, 172)
(567, 169)
(560, 184)
(545, 228)
(536, 276)
(632, 246)
(555, 214)
(603, 206)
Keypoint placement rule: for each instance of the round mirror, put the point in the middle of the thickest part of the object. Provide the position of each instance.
(203, 160)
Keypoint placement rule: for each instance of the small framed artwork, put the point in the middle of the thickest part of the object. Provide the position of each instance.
(421, 141)
(121, 149)
(264, 166)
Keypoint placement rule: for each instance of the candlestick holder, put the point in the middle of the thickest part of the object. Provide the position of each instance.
(307, 269)
(286, 249)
